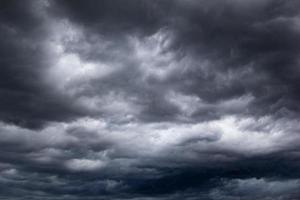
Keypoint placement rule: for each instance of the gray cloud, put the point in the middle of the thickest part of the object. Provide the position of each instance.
(149, 100)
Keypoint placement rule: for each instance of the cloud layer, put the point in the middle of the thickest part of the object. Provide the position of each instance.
(151, 100)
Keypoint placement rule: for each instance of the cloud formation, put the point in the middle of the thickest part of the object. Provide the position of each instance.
(151, 100)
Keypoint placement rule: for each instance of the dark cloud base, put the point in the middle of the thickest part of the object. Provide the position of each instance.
(150, 100)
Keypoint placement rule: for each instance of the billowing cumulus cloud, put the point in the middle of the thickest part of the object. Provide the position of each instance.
(150, 100)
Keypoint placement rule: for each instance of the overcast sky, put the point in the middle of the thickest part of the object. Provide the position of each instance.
(150, 100)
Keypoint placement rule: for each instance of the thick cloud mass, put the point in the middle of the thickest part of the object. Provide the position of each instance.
(150, 99)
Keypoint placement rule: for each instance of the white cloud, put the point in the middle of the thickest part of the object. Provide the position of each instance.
(84, 164)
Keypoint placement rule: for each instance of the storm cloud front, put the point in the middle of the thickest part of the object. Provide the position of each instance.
(150, 100)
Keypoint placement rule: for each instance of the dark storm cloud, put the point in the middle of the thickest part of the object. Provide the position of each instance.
(259, 38)
(251, 49)
(25, 100)
(110, 17)
(159, 100)
(69, 163)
